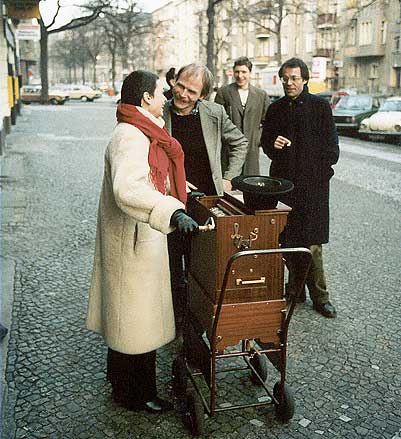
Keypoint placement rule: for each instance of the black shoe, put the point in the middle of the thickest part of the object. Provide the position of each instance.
(325, 309)
(157, 405)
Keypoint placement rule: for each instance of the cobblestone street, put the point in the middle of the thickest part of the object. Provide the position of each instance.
(345, 372)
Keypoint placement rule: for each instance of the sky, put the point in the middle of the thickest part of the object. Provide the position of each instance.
(68, 11)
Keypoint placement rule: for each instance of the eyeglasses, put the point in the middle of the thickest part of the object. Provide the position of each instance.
(285, 80)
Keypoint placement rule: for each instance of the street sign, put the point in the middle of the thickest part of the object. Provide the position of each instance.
(319, 68)
(28, 32)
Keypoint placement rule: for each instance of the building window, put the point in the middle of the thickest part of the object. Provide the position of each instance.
(338, 41)
(296, 46)
(383, 32)
(374, 70)
(251, 50)
(397, 45)
(355, 71)
(309, 43)
(352, 33)
(365, 33)
(284, 45)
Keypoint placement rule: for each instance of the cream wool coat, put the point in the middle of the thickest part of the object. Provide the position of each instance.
(130, 300)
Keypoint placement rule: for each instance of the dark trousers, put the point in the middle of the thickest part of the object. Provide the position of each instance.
(178, 251)
(315, 279)
(133, 377)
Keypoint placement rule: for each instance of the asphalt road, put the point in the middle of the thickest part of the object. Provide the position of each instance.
(345, 372)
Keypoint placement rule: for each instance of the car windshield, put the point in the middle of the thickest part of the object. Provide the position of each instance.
(391, 106)
(354, 103)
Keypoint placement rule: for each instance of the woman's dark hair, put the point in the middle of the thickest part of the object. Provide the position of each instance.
(136, 84)
(170, 75)
(293, 63)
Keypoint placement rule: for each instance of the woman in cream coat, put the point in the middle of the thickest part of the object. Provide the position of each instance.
(130, 302)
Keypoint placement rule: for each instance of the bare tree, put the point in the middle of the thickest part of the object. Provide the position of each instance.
(94, 9)
(269, 15)
(127, 23)
(92, 43)
(210, 46)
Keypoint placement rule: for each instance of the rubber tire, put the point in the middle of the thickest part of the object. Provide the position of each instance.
(195, 413)
(84, 98)
(285, 411)
(259, 362)
(54, 101)
(180, 378)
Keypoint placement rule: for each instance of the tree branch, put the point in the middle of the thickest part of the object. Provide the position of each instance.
(76, 22)
(55, 15)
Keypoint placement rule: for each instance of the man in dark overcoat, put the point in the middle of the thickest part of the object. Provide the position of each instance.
(299, 136)
(246, 106)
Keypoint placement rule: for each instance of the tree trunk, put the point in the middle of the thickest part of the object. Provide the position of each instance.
(113, 71)
(83, 73)
(210, 36)
(44, 60)
(94, 74)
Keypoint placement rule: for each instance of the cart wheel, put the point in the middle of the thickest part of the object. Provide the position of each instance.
(194, 414)
(179, 377)
(284, 411)
(259, 362)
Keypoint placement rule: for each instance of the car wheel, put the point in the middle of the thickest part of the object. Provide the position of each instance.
(84, 98)
(54, 101)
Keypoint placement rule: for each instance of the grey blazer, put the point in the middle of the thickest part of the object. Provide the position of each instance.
(249, 119)
(226, 145)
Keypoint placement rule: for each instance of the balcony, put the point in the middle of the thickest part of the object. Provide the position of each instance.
(371, 50)
(262, 60)
(326, 53)
(325, 21)
(351, 51)
(262, 33)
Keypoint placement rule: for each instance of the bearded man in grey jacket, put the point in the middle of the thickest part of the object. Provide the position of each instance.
(207, 135)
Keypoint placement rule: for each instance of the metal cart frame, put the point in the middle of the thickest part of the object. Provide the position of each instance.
(185, 366)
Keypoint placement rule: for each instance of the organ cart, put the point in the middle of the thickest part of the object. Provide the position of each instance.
(236, 296)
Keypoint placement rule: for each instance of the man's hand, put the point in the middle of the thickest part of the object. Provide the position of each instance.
(282, 142)
(227, 186)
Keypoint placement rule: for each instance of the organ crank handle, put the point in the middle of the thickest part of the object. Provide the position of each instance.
(208, 226)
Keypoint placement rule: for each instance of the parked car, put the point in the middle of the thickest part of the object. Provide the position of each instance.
(83, 93)
(386, 123)
(351, 110)
(332, 97)
(31, 93)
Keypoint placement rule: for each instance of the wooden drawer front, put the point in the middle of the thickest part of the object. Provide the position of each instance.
(248, 321)
(237, 321)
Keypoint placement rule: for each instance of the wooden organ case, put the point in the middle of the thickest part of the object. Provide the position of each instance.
(254, 296)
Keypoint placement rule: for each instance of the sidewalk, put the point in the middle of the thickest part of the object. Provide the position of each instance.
(12, 210)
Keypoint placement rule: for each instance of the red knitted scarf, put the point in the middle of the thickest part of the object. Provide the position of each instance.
(166, 156)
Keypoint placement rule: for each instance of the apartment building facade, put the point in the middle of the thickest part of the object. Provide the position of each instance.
(358, 41)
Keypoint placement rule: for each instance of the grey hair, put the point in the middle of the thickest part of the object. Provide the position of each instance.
(199, 70)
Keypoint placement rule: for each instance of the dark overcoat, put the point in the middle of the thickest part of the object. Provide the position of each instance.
(307, 121)
(249, 119)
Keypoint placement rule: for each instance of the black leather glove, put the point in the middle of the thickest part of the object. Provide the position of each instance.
(195, 194)
(183, 222)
